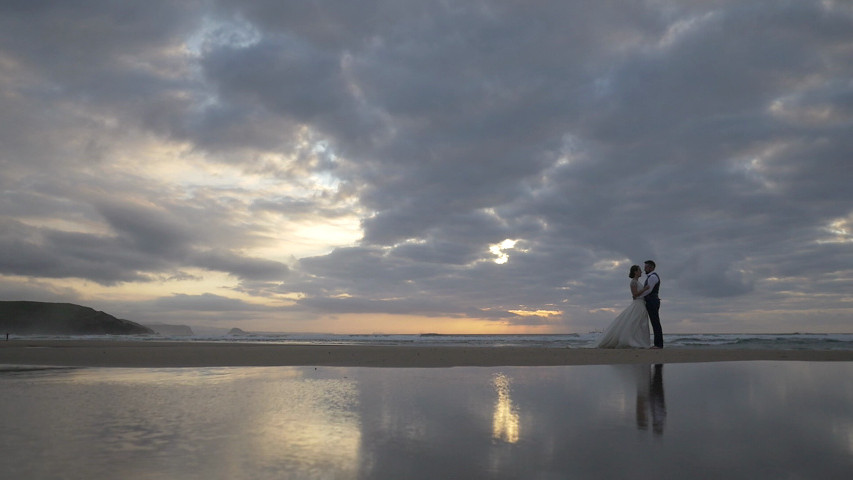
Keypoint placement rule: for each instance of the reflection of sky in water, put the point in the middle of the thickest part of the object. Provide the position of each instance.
(716, 420)
(505, 423)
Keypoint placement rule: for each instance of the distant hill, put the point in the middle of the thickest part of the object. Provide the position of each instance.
(23, 318)
(237, 331)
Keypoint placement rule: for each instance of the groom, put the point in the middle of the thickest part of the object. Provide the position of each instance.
(650, 294)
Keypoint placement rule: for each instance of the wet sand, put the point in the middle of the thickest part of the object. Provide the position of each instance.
(108, 353)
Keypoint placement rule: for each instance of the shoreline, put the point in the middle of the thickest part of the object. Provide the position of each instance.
(134, 354)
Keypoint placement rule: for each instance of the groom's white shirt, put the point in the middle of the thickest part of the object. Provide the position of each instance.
(651, 281)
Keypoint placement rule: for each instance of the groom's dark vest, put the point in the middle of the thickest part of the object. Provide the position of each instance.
(654, 293)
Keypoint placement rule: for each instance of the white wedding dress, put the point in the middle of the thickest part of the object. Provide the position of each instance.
(630, 329)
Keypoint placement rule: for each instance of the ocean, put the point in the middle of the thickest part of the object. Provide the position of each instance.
(781, 341)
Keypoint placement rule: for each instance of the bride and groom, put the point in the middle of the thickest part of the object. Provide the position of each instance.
(630, 329)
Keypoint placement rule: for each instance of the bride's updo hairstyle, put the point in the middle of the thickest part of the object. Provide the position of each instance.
(634, 268)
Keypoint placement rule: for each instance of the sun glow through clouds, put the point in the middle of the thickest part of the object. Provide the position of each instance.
(536, 313)
(499, 250)
(840, 232)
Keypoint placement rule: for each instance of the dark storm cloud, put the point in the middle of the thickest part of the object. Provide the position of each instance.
(99, 55)
(242, 267)
(712, 136)
(203, 303)
(145, 243)
(298, 79)
(29, 251)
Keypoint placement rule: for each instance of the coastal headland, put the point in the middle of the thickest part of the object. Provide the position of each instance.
(156, 354)
(43, 318)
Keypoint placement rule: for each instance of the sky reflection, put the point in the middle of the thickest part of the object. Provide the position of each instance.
(505, 424)
(738, 420)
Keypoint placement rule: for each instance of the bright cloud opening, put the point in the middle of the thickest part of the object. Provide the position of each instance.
(499, 250)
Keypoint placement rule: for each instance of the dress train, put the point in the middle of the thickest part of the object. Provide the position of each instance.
(630, 329)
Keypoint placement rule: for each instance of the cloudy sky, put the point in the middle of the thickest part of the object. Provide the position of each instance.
(429, 166)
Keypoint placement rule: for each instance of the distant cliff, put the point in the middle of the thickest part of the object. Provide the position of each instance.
(27, 318)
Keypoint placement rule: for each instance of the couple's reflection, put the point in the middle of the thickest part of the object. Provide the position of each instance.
(650, 397)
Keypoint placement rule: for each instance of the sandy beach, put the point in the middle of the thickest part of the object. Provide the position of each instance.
(108, 353)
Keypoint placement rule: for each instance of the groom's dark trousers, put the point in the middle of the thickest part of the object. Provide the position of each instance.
(653, 307)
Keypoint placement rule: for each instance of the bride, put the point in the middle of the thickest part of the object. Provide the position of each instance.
(631, 328)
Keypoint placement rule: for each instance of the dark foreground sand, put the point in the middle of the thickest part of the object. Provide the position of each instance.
(105, 353)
